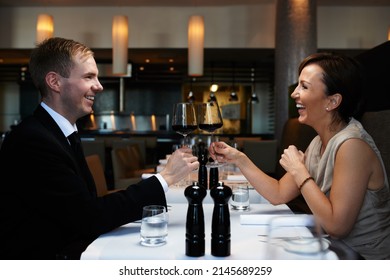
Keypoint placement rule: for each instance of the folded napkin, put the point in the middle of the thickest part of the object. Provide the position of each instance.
(286, 219)
(236, 178)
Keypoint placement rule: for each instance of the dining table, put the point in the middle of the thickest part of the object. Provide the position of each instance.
(248, 235)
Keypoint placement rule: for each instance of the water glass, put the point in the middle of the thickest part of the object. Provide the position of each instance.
(154, 225)
(240, 197)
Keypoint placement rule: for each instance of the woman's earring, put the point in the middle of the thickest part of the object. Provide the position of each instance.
(327, 109)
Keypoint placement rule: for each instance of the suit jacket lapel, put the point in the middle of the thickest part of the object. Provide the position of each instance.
(53, 129)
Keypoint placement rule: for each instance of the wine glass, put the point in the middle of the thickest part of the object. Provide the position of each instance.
(210, 119)
(184, 119)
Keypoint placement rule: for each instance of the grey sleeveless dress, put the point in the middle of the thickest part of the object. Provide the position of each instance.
(370, 236)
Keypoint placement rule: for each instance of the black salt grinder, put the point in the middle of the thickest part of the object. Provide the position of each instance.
(214, 177)
(202, 172)
(195, 233)
(220, 225)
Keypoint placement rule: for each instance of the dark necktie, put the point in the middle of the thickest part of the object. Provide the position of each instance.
(75, 143)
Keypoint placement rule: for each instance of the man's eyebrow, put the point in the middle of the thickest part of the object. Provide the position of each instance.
(90, 74)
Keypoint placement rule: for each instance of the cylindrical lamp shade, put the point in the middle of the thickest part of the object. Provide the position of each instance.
(195, 45)
(120, 39)
(388, 34)
(45, 27)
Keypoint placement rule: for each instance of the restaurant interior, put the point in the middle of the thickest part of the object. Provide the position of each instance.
(153, 54)
(248, 48)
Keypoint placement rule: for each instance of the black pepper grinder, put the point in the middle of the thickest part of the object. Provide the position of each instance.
(195, 233)
(214, 177)
(220, 225)
(202, 158)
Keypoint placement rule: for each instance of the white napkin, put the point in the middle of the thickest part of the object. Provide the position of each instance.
(236, 178)
(264, 219)
(260, 219)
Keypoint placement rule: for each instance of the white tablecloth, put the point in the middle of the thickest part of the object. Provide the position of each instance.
(176, 195)
(246, 244)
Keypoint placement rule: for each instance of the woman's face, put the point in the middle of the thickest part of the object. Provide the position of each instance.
(310, 97)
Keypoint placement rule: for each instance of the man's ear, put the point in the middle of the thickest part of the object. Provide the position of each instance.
(52, 81)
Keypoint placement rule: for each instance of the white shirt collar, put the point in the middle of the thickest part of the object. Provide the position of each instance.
(66, 127)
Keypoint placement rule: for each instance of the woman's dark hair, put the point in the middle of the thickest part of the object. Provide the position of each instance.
(343, 75)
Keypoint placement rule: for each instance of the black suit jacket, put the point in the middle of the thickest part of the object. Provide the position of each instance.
(48, 205)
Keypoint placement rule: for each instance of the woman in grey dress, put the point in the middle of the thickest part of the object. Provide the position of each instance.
(341, 175)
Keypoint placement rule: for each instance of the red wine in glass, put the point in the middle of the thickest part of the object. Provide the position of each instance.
(210, 119)
(210, 127)
(184, 129)
(184, 119)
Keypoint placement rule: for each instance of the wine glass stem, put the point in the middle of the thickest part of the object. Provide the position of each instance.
(213, 138)
(185, 141)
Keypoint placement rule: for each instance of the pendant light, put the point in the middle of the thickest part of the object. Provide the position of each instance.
(195, 46)
(45, 27)
(120, 39)
(233, 95)
(212, 97)
(388, 34)
(191, 97)
(213, 85)
(253, 99)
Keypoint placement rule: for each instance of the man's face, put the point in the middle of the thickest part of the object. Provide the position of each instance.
(78, 91)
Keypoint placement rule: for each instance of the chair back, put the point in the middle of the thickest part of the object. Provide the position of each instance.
(263, 153)
(297, 134)
(377, 124)
(128, 142)
(128, 165)
(96, 167)
(126, 160)
(239, 141)
(93, 146)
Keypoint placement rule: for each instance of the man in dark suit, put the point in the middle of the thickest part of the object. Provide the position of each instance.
(48, 203)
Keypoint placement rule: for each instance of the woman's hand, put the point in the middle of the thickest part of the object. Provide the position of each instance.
(292, 160)
(222, 152)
